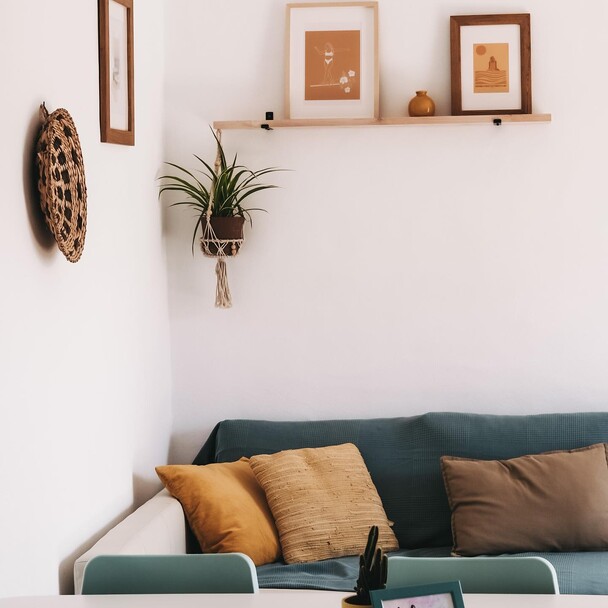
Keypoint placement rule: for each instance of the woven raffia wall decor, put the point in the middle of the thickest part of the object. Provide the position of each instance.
(61, 181)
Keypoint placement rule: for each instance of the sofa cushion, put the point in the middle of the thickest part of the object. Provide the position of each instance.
(546, 502)
(336, 574)
(402, 454)
(323, 501)
(225, 507)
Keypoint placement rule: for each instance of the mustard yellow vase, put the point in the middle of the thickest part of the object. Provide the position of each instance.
(421, 105)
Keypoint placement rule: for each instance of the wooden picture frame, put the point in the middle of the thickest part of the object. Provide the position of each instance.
(116, 91)
(332, 60)
(490, 64)
(438, 595)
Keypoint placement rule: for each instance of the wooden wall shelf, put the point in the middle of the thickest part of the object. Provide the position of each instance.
(496, 119)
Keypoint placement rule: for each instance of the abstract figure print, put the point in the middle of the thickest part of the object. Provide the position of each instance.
(332, 65)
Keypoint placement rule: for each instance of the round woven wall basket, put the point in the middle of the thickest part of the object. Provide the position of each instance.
(61, 181)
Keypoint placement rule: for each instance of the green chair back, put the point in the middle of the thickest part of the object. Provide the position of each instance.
(208, 573)
(476, 574)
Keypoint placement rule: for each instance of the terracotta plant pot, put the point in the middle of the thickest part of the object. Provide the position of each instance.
(228, 229)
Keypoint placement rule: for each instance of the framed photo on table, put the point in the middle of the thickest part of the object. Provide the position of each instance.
(332, 60)
(116, 95)
(490, 64)
(439, 595)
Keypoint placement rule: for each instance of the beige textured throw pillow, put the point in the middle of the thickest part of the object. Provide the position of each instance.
(323, 501)
(556, 501)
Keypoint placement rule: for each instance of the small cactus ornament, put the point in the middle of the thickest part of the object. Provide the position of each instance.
(373, 568)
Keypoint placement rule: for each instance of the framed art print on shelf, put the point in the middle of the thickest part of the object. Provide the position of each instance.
(490, 64)
(116, 94)
(332, 60)
(438, 595)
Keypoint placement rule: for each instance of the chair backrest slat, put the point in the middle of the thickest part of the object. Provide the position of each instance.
(476, 574)
(126, 574)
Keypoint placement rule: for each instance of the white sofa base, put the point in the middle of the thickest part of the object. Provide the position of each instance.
(157, 527)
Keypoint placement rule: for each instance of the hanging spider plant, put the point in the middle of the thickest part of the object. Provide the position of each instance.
(229, 185)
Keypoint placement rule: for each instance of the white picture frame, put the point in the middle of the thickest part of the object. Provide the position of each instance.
(332, 60)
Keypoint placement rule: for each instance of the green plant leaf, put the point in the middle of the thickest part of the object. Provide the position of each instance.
(199, 222)
(220, 148)
(185, 171)
(209, 168)
(254, 190)
(257, 174)
(192, 204)
(187, 189)
(184, 183)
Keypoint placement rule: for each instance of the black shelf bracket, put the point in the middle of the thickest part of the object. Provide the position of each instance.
(268, 116)
(497, 121)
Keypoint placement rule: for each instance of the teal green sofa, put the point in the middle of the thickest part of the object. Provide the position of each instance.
(402, 455)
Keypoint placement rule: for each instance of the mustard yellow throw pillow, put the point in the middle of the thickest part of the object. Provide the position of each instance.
(323, 501)
(556, 501)
(225, 507)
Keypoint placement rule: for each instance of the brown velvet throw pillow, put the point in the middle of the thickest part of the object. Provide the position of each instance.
(225, 507)
(556, 501)
(323, 501)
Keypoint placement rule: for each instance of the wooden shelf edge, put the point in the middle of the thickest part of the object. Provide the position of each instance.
(370, 122)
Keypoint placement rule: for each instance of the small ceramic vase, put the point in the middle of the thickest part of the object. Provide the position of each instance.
(421, 105)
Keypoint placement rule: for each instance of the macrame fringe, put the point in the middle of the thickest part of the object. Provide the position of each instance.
(223, 299)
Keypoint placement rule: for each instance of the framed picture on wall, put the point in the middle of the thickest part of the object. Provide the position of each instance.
(490, 61)
(332, 60)
(439, 595)
(116, 103)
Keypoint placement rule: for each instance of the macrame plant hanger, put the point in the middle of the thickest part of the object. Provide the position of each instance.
(218, 248)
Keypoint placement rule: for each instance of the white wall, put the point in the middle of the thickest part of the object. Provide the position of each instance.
(402, 269)
(85, 376)
(399, 270)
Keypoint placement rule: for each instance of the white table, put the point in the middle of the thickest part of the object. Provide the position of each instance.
(284, 599)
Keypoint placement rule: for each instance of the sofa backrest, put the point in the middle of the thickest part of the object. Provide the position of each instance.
(402, 454)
